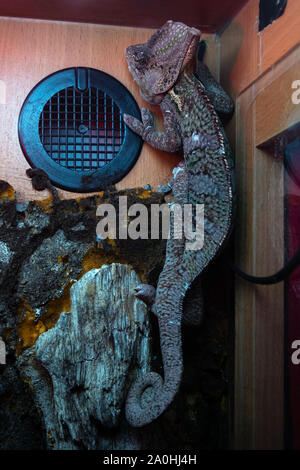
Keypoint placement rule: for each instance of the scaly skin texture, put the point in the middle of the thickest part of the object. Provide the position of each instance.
(162, 69)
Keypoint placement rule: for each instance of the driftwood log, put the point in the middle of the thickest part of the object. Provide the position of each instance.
(81, 369)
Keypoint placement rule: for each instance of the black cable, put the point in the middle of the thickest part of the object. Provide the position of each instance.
(282, 274)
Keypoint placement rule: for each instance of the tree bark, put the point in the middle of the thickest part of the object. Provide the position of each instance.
(81, 369)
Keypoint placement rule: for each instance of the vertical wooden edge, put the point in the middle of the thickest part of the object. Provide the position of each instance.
(244, 296)
(269, 304)
(240, 49)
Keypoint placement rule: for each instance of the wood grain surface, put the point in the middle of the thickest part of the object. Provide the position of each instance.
(31, 49)
(263, 110)
(249, 53)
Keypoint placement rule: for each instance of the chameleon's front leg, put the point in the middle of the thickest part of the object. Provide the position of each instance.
(169, 140)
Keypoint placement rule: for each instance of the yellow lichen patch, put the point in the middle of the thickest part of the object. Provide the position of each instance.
(46, 204)
(95, 258)
(78, 199)
(144, 194)
(100, 199)
(111, 242)
(63, 259)
(28, 329)
(27, 380)
(56, 306)
(8, 193)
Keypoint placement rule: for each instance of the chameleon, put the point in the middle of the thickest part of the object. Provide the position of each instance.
(164, 68)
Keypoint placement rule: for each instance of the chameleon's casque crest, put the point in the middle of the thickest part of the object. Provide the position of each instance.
(156, 64)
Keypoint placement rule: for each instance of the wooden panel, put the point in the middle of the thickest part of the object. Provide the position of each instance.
(247, 54)
(240, 49)
(281, 36)
(275, 109)
(263, 111)
(208, 16)
(244, 292)
(258, 72)
(269, 302)
(31, 50)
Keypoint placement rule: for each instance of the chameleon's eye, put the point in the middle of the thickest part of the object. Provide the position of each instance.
(140, 58)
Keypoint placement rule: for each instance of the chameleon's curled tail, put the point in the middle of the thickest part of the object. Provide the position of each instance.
(150, 395)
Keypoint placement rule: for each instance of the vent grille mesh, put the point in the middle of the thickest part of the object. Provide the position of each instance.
(81, 131)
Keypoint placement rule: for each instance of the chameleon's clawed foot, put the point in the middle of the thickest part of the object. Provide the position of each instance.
(134, 124)
(146, 293)
(140, 128)
(147, 117)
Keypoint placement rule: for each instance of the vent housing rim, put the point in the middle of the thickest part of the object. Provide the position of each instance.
(79, 180)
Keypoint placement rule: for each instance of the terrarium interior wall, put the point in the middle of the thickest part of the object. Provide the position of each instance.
(32, 49)
(47, 249)
(245, 56)
(258, 69)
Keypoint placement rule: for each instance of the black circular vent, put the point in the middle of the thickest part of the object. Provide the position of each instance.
(71, 126)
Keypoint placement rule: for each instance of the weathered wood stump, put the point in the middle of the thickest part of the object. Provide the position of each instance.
(81, 369)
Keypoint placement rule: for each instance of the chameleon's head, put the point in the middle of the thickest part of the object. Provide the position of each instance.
(156, 64)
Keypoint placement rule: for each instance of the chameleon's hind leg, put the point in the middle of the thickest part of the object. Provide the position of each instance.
(192, 304)
(174, 252)
(146, 293)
